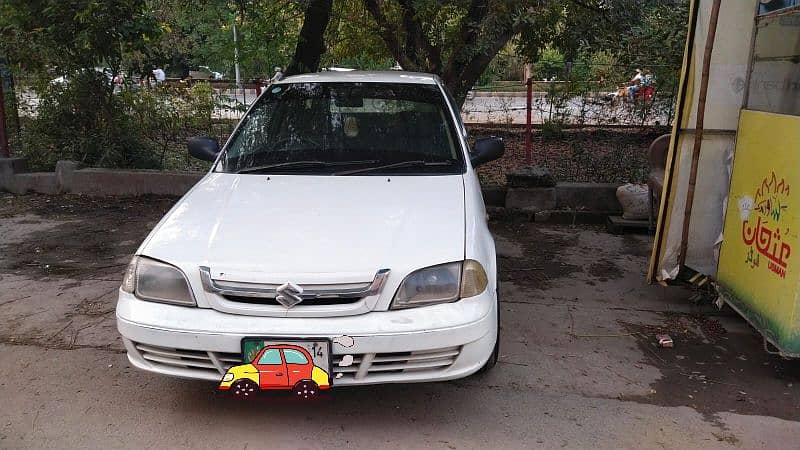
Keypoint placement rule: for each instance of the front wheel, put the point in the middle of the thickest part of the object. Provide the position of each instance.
(305, 389)
(244, 389)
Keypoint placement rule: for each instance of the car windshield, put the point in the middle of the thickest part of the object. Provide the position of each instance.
(346, 129)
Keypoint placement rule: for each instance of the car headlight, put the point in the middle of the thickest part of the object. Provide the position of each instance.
(443, 283)
(227, 377)
(156, 281)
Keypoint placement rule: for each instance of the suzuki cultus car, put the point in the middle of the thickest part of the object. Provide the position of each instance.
(343, 215)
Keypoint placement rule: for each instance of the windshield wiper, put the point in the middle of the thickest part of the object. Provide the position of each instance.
(414, 163)
(308, 163)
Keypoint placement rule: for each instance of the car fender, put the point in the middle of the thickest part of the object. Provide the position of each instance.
(320, 377)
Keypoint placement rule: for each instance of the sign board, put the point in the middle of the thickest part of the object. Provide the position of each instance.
(759, 261)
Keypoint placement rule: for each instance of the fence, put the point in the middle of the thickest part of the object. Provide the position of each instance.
(163, 116)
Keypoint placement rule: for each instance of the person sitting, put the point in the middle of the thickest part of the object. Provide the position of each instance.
(635, 85)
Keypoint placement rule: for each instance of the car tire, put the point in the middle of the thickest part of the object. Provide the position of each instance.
(244, 389)
(492, 361)
(305, 390)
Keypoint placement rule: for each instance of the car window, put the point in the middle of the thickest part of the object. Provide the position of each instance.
(294, 357)
(326, 128)
(271, 356)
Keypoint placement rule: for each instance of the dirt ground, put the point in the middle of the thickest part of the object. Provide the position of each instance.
(579, 366)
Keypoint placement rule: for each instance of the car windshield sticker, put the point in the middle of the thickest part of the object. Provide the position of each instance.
(276, 89)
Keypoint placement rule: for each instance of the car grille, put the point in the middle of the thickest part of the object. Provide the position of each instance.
(306, 302)
(366, 365)
(212, 365)
(215, 363)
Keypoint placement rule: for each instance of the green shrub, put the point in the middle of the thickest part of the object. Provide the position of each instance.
(553, 129)
(82, 120)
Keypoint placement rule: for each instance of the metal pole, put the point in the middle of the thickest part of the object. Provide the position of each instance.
(5, 151)
(528, 108)
(236, 55)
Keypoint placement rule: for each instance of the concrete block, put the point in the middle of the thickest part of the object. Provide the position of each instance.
(8, 168)
(65, 172)
(531, 199)
(132, 182)
(531, 177)
(596, 197)
(494, 196)
(509, 215)
(41, 182)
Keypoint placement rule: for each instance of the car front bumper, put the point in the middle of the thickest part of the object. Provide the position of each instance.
(433, 343)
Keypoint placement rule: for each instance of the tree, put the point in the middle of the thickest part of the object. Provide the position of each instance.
(70, 36)
(455, 39)
(311, 41)
(200, 33)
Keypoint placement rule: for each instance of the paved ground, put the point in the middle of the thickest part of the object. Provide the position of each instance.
(578, 366)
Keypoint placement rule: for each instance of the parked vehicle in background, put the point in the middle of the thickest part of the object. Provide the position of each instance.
(345, 213)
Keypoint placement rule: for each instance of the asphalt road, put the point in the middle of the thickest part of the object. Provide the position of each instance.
(578, 368)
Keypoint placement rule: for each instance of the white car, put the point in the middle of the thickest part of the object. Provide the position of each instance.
(343, 214)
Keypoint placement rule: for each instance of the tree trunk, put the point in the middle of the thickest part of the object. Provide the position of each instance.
(409, 46)
(461, 80)
(311, 42)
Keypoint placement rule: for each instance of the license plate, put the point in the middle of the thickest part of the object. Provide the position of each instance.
(319, 349)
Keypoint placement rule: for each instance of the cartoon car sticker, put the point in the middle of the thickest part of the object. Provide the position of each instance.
(277, 367)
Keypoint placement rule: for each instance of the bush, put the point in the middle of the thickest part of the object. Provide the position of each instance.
(553, 129)
(550, 65)
(82, 120)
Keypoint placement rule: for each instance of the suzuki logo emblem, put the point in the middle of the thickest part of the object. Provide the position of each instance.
(288, 294)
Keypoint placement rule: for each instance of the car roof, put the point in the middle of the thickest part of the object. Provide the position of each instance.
(358, 76)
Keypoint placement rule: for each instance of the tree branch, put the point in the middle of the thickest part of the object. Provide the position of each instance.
(470, 26)
(426, 55)
(390, 34)
(475, 67)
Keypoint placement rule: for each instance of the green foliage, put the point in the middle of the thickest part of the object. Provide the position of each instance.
(139, 128)
(550, 65)
(352, 41)
(200, 33)
(82, 120)
(552, 129)
(73, 35)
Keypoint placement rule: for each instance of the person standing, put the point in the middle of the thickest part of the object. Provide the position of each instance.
(159, 75)
(278, 75)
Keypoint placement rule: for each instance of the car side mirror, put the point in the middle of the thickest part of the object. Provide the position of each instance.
(487, 149)
(204, 148)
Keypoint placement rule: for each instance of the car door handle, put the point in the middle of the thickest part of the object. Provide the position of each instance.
(279, 374)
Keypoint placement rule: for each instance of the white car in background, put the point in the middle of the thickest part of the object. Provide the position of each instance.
(344, 215)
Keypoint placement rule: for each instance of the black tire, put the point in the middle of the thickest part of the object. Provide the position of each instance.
(244, 389)
(305, 390)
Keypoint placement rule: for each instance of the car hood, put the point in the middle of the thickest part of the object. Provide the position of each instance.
(258, 228)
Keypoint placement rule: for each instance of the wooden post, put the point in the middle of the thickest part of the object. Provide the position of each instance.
(699, 126)
(529, 106)
(5, 152)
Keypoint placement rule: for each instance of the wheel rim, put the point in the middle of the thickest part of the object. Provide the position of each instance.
(305, 390)
(244, 389)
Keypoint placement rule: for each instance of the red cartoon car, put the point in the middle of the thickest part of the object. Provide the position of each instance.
(277, 367)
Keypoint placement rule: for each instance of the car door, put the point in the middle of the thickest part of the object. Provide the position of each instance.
(271, 369)
(298, 365)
